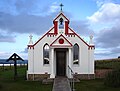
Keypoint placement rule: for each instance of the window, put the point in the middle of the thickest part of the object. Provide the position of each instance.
(61, 25)
(46, 54)
(76, 54)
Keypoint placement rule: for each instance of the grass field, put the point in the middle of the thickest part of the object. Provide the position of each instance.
(7, 83)
(107, 64)
(93, 85)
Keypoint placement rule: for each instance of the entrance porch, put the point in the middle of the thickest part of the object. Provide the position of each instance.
(60, 58)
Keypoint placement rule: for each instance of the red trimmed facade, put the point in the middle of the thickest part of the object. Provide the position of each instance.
(60, 44)
(55, 27)
(66, 27)
(55, 33)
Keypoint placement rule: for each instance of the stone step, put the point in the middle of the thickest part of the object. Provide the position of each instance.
(61, 84)
(48, 81)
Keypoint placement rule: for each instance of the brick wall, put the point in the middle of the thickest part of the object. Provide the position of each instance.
(99, 73)
(38, 77)
(84, 76)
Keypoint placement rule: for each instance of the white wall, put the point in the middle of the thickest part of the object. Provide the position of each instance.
(35, 57)
(86, 56)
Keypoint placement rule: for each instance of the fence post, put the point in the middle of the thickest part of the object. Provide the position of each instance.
(3, 66)
(10, 66)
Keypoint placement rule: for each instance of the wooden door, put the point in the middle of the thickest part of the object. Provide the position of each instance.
(61, 63)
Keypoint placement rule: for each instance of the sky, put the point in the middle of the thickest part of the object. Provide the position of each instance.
(20, 18)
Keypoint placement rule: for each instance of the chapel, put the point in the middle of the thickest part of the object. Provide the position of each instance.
(60, 52)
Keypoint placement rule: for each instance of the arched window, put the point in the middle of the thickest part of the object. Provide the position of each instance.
(61, 25)
(76, 54)
(46, 54)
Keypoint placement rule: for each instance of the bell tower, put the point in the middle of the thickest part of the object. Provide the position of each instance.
(61, 23)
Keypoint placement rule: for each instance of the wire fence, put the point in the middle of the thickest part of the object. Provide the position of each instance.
(4, 66)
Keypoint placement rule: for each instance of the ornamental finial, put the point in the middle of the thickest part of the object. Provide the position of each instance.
(91, 40)
(30, 42)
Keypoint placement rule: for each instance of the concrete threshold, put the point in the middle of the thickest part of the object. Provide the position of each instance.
(61, 84)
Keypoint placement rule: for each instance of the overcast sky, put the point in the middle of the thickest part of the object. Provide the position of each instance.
(20, 18)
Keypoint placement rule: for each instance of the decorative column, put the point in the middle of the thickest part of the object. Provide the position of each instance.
(91, 57)
(70, 63)
(52, 64)
(30, 59)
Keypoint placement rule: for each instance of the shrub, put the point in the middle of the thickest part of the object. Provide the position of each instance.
(113, 79)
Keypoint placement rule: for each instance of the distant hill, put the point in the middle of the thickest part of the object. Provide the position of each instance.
(112, 59)
(3, 61)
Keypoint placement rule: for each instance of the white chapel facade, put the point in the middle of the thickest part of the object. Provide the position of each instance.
(58, 51)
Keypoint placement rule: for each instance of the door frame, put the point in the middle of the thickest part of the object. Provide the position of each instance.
(61, 50)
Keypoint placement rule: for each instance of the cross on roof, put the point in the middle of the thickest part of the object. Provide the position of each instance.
(61, 5)
(30, 36)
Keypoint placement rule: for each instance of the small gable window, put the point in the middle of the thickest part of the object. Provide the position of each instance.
(61, 25)
(76, 54)
(46, 54)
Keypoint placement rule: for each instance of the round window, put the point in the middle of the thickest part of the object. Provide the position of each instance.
(61, 41)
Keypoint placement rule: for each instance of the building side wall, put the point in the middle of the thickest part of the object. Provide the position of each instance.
(39, 67)
(86, 57)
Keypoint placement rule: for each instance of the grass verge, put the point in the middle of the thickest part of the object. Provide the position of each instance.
(7, 82)
(93, 85)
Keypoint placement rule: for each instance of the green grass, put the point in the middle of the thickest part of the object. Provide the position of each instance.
(7, 82)
(98, 84)
(107, 64)
(93, 85)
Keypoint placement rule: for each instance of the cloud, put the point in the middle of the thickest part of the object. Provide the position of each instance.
(19, 16)
(25, 23)
(109, 41)
(31, 7)
(4, 55)
(107, 53)
(101, 2)
(107, 26)
(53, 8)
(30, 17)
(109, 38)
(108, 12)
(82, 27)
(22, 6)
(7, 38)
(116, 51)
(15, 7)
(25, 51)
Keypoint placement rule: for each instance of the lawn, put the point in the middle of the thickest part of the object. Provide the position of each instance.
(107, 64)
(98, 84)
(7, 83)
(93, 85)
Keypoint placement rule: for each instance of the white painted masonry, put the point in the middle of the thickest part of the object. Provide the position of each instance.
(60, 38)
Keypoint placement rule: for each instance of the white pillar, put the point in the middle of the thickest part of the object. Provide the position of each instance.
(70, 62)
(52, 64)
(30, 60)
